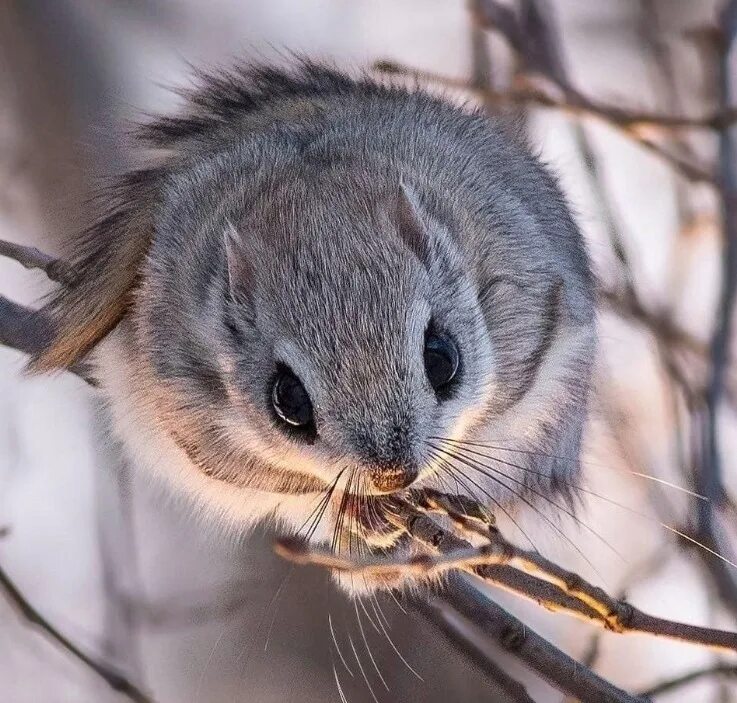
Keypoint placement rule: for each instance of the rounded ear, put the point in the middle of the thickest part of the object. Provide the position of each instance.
(105, 264)
(412, 227)
(239, 262)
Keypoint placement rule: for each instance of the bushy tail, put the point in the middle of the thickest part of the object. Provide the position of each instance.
(106, 264)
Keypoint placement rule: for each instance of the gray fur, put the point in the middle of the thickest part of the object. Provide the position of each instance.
(284, 223)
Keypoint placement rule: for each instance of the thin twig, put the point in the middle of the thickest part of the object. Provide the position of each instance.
(32, 258)
(25, 329)
(529, 94)
(500, 563)
(531, 35)
(481, 74)
(727, 670)
(115, 680)
(22, 328)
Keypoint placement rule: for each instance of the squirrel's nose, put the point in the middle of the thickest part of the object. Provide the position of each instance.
(389, 478)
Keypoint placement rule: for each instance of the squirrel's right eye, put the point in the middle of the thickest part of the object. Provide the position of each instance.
(291, 402)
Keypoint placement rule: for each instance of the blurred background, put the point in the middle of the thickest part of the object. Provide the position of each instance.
(191, 615)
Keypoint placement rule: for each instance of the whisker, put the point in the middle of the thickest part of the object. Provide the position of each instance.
(669, 484)
(474, 465)
(354, 501)
(391, 642)
(248, 651)
(363, 673)
(368, 649)
(378, 611)
(541, 495)
(650, 518)
(363, 607)
(338, 531)
(394, 598)
(639, 474)
(277, 595)
(337, 646)
(323, 507)
(453, 470)
(343, 699)
(699, 544)
(209, 659)
(320, 499)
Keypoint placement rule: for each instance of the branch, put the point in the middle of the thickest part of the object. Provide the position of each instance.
(474, 645)
(32, 258)
(629, 125)
(25, 610)
(709, 480)
(528, 92)
(25, 329)
(22, 328)
(29, 331)
(531, 37)
(502, 564)
(481, 616)
(629, 306)
(728, 670)
(481, 73)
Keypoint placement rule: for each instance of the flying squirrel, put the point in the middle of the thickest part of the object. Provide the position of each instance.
(325, 286)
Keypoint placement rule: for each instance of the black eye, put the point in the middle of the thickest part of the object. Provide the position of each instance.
(290, 400)
(441, 362)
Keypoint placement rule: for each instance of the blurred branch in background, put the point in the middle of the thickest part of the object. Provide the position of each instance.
(722, 670)
(114, 679)
(708, 471)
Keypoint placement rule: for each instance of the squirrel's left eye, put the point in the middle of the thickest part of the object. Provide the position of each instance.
(290, 400)
(441, 362)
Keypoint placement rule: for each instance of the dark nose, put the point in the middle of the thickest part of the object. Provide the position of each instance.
(392, 477)
(386, 452)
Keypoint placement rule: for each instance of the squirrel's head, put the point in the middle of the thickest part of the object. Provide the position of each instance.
(331, 325)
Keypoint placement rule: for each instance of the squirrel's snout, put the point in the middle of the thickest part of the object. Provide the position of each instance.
(388, 454)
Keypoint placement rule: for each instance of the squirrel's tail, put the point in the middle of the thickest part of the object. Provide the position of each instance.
(105, 268)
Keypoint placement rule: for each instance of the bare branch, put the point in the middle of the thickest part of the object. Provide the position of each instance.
(25, 329)
(500, 563)
(709, 480)
(32, 258)
(22, 328)
(115, 680)
(481, 74)
(530, 94)
(479, 614)
(532, 36)
(29, 331)
(726, 670)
